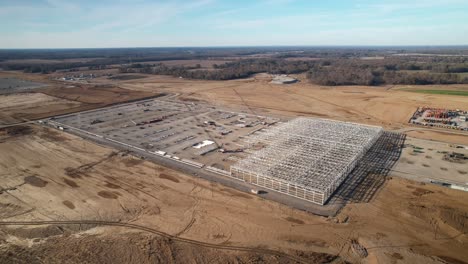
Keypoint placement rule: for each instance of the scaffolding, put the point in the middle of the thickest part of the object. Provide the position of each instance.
(307, 158)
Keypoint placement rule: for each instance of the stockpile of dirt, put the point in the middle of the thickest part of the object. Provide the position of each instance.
(454, 218)
(129, 248)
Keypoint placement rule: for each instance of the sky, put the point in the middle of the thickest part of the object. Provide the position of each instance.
(190, 23)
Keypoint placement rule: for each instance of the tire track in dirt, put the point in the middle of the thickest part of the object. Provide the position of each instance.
(160, 233)
(194, 211)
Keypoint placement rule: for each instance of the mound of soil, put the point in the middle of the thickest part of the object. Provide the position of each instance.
(455, 218)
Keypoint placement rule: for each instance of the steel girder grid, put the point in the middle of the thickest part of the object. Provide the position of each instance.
(307, 158)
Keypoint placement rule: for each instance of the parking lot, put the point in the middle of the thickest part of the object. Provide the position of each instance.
(183, 131)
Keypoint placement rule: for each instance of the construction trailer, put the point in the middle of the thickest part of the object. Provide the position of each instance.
(306, 158)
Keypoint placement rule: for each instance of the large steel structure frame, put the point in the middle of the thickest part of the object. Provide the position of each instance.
(307, 158)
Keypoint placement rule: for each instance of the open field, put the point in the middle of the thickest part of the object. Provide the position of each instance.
(13, 85)
(384, 106)
(444, 92)
(60, 98)
(373, 105)
(57, 176)
(23, 106)
(97, 95)
(390, 107)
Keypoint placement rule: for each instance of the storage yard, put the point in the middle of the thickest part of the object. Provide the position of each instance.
(441, 117)
(194, 134)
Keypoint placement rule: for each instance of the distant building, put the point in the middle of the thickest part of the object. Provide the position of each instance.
(283, 79)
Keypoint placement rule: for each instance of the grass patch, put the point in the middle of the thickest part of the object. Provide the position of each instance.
(443, 92)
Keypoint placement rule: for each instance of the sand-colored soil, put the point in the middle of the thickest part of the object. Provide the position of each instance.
(17, 107)
(439, 135)
(60, 98)
(51, 175)
(423, 160)
(112, 246)
(389, 106)
(100, 95)
(384, 106)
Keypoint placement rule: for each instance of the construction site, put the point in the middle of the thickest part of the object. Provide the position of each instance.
(307, 158)
(161, 169)
(441, 117)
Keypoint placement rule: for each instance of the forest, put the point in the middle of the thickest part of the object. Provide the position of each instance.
(330, 72)
(322, 65)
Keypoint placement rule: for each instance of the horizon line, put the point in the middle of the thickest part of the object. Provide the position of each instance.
(257, 46)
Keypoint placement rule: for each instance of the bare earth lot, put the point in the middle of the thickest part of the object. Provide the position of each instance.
(390, 107)
(59, 98)
(10, 85)
(426, 162)
(16, 107)
(50, 175)
(384, 106)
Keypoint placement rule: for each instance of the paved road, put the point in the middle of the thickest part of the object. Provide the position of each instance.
(432, 129)
(141, 100)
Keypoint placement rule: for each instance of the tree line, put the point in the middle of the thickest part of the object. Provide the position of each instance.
(323, 72)
(227, 71)
(358, 72)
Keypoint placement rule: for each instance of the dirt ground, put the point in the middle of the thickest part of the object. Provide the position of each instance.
(17, 107)
(384, 106)
(96, 247)
(423, 160)
(60, 98)
(438, 135)
(50, 175)
(389, 106)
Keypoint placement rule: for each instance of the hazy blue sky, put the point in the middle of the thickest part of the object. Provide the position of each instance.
(145, 23)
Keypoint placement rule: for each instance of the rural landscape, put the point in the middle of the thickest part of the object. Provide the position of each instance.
(107, 156)
(240, 132)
